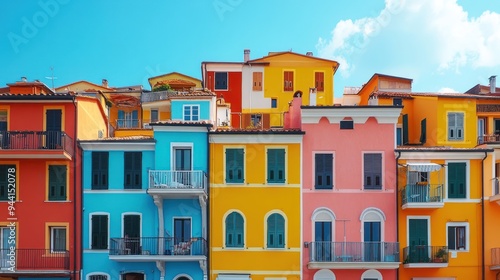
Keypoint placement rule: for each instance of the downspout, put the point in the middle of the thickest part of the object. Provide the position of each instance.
(207, 205)
(75, 196)
(397, 208)
(483, 271)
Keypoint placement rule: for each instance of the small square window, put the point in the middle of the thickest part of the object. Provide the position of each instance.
(274, 103)
(346, 125)
(397, 101)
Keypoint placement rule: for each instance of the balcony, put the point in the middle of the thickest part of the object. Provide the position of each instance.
(33, 261)
(353, 255)
(488, 139)
(157, 96)
(496, 191)
(495, 259)
(177, 184)
(35, 144)
(422, 256)
(422, 195)
(147, 249)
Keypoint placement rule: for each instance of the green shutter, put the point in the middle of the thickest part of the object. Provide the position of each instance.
(100, 170)
(4, 182)
(234, 230)
(234, 166)
(57, 182)
(133, 170)
(456, 180)
(275, 231)
(276, 165)
(99, 232)
(423, 131)
(405, 129)
(132, 226)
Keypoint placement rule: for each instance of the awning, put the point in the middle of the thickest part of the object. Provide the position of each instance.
(423, 167)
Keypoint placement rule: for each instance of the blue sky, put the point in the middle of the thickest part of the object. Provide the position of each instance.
(446, 45)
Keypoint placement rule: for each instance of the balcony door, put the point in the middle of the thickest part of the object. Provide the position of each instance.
(183, 164)
(323, 241)
(418, 240)
(4, 234)
(3, 128)
(182, 236)
(53, 126)
(132, 233)
(372, 239)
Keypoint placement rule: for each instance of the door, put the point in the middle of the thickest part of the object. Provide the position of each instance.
(372, 238)
(133, 276)
(4, 234)
(53, 128)
(497, 126)
(418, 241)
(323, 241)
(132, 233)
(182, 166)
(182, 236)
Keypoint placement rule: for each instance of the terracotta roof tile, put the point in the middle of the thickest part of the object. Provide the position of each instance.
(418, 148)
(256, 131)
(410, 95)
(121, 139)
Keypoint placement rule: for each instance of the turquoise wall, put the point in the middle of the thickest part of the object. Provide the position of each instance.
(177, 109)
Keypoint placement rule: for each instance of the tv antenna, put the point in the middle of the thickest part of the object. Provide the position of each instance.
(52, 78)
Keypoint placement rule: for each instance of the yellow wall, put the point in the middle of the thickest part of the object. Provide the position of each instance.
(90, 119)
(255, 199)
(133, 132)
(468, 107)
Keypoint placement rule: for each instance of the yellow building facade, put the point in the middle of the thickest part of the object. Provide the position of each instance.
(255, 204)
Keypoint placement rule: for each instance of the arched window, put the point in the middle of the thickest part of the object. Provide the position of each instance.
(324, 274)
(275, 231)
(182, 278)
(372, 220)
(371, 274)
(234, 230)
(323, 223)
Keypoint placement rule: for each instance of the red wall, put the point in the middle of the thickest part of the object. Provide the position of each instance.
(232, 95)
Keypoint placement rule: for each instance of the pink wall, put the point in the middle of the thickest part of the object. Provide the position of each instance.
(348, 200)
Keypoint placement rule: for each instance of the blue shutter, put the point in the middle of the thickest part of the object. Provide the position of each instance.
(323, 171)
(234, 230)
(276, 165)
(135, 119)
(121, 119)
(195, 113)
(234, 166)
(372, 171)
(456, 180)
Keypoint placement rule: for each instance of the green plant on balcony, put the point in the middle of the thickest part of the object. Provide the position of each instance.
(440, 254)
(163, 87)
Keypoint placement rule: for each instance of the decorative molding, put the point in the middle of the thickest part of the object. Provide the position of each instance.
(242, 139)
(429, 155)
(118, 146)
(359, 115)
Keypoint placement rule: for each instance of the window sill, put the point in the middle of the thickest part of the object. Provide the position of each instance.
(57, 201)
(234, 248)
(10, 201)
(275, 249)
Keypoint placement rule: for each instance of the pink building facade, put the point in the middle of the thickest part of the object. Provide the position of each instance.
(349, 194)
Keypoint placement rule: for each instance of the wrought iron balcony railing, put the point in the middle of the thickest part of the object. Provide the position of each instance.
(495, 256)
(19, 260)
(36, 140)
(169, 246)
(167, 179)
(422, 193)
(323, 251)
(425, 254)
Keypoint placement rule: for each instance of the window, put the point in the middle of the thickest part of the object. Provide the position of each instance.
(274, 103)
(257, 81)
(234, 230)
(288, 81)
(276, 165)
(191, 112)
(128, 119)
(323, 171)
(100, 170)
(8, 176)
(399, 136)
(98, 277)
(455, 126)
(154, 115)
(275, 231)
(423, 131)
(234, 166)
(373, 171)
(99, 232)
(133, 170)
(220, 80)
(319, 80)
(57, 239)
(457, 180)
(457, 236)
(256, 120)
(397, 102)
(57, 182)
(346, 125)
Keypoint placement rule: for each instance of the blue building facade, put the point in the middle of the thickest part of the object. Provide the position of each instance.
(145, 199)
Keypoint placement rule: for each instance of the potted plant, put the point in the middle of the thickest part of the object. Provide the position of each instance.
(439, 256)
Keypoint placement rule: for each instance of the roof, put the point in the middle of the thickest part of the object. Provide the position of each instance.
(81, 81)
(122, 139)
(125, 100)
(351, 107)
(36, 83)
(481, 89)
(390, 76)
(195, 93)
(42, 96)
(172, 73)
(274, 54)
(403, 94)
(175, 83)
(256, 131)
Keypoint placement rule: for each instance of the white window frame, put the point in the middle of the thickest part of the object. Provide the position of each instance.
(52, 236)
(190, 116)
(371, 274)
(224, 217)
(467, 235)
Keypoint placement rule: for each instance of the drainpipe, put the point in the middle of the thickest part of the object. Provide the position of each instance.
(397, 209)
(75, 196)
(483, 271)
(207, 205)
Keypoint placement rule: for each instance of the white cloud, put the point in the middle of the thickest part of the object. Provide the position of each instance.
(437, 31)
(447, 90)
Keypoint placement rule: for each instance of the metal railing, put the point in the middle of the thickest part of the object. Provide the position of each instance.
(258, 121)
(485, 139)
(495, 256)
(36, 140)
(33, 259)
(128, 123)
(425, 193)
(167, 179)
(157, 95)
(324, 251)
(425, 254)
(169, 246)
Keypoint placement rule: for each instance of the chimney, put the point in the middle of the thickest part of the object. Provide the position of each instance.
(309, 54)
(493, 84)
(246, 55)
(24, 79)
(105, 83)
